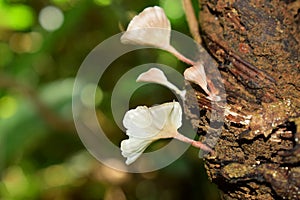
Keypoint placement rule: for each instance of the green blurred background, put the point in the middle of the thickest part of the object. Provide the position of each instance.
(42, 45)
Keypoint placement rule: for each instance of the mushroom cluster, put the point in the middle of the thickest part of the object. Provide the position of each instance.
(145, 125)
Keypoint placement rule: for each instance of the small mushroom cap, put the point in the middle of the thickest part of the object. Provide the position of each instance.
(151, 27)
(196, 74)
(153, 75)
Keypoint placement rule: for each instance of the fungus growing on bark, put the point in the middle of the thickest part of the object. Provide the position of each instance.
(152, 28)
(145, 125)
(155, 75)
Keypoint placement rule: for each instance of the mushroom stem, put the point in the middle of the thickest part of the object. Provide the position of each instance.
(178, 55)
(194, 143)
(181, 93)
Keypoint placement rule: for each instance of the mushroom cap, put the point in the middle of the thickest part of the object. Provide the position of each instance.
(151, 27)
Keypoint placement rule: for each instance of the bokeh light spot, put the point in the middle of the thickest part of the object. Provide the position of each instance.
(102, 2)
(18, 17)
(37, 41)
(8, 106)
(51, 18)
(15, 182)
(25, 42)
(173, 9)
(56, 175)
(115, 193)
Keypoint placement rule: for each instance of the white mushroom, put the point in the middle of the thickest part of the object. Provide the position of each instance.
(197, 75)
(152, 28)
(145, 125)
(155, 75)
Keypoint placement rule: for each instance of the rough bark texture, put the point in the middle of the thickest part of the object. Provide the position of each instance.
(256, 44)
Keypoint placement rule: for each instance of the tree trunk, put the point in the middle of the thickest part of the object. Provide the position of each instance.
(256, 44)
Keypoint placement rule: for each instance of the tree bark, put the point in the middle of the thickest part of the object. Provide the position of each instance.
(256, 44)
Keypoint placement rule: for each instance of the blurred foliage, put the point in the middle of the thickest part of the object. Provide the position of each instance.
(42, 45)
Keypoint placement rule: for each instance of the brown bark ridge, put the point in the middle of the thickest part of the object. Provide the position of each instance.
(257, 46)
